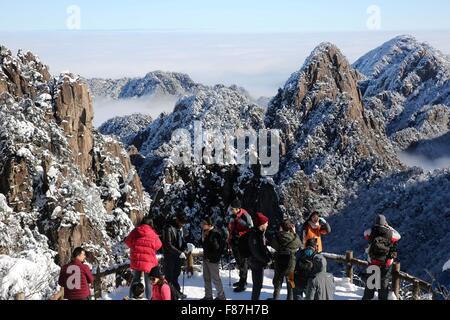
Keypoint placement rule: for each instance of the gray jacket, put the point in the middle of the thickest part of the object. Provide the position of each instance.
(321, 285)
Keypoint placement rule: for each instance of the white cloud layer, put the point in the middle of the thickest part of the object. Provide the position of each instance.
(260, 62)
(105, 108)
(421, 161)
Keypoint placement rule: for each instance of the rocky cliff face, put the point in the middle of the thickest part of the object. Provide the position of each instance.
(332, 144)
(63, 185)
(206, 188)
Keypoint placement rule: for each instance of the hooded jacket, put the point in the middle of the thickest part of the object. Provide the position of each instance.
(144, 243)
(321, 285)
(286, 245)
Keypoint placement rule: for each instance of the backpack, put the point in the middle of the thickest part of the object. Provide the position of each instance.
(380, 248)
(303, 270)
(304, 265)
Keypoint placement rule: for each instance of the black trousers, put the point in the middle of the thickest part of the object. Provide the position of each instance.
(242, 264)
(383, 292)
(172, 270)
(257, 277)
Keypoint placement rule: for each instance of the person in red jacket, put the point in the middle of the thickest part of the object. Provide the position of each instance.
(75, 277)
(161, 288)
(239, 225)
(143, 242)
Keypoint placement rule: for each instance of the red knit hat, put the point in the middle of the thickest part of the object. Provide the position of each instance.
(261, 219)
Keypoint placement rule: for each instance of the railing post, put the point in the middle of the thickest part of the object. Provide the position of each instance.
(396, 279)
(19, 296)
(349, 266)
(416, 290)
(190, 263)
(97, 284)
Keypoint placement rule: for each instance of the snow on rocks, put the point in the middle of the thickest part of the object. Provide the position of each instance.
(126, 128)
(65, 185)
(407, 86)
(446, 266)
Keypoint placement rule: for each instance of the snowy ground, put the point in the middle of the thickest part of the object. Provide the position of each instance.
(194, 288)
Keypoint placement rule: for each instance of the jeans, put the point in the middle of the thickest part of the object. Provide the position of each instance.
(147, 283)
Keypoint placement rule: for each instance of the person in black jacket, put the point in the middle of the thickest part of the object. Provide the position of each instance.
(213, 247)
(259, 254)
(174, 247)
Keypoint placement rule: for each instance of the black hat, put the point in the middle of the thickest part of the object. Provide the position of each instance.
(181, 218)
(208, 221)
(156, 272)
(236, 203)
(148, 221)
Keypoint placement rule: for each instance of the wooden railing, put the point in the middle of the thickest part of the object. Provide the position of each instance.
(418, 285)
(348, 260)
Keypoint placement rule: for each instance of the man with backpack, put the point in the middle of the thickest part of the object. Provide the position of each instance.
(239, 225)
(304, 268)
(175, 250)
(213, 248)
(286, 243)
(382, 251)
(259, 253)
(143, 243)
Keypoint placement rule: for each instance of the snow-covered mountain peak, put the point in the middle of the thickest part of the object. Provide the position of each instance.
(325, 78)
(399, 50)
(156, 83)
(23, 75)
(406, 79)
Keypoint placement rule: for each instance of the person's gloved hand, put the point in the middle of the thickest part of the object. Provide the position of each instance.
(271, 250)
(183, 256)
(190, 248)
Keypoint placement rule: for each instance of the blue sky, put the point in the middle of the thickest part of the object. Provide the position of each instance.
(226, 16)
